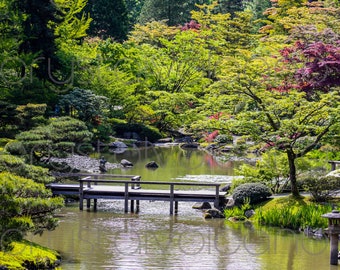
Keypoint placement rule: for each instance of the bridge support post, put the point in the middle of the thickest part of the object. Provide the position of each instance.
(176, 207)
(95, 204)
(217, 197)
(126, 198)
(132, 206)
(171, 199)
(81, 195)
(137, 206)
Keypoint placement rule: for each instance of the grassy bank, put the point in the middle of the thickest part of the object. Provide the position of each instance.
(28, 255)
(292, 213)
(286, 212)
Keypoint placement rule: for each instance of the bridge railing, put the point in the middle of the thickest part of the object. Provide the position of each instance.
(133, 179)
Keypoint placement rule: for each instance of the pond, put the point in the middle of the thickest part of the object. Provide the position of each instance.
(151, 239)
(175, 164)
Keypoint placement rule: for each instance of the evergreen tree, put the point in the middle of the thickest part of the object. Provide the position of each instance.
(134, 8)
(25, 206)
(38, 36)
(110, 18)
(230, 6)
(175, 12)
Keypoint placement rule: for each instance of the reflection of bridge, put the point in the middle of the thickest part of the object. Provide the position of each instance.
(120, 189)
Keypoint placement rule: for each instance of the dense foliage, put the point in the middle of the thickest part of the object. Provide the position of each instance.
(297, 216)
(252, 192)
(73, 72)
(25, 206)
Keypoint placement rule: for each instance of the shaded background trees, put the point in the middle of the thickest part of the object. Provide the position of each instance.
(110, 18)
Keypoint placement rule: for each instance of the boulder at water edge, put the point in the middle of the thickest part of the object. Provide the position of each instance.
(213, 213)
(203, 205)
(152, 165)
(126, 163)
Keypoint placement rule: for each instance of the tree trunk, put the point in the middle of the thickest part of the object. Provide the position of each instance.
(292, 173)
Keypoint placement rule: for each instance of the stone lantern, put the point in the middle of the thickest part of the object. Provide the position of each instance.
(334, 231)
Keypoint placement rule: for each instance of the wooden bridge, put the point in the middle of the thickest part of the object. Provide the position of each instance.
(117, 187)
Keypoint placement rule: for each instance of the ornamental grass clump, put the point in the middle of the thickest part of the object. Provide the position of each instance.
(293, 217)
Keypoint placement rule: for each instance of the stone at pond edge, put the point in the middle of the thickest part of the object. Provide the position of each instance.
(143, 144)
(126, 163)
(203, 205)
(213, 213)
(230, 203)
(165, 140)
(237, 218)
(189, 145)
(152, 165)
(118, 144)
(335, 173)
(249, 213)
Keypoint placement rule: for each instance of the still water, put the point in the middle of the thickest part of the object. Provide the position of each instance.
(175, 164)
(151, 239)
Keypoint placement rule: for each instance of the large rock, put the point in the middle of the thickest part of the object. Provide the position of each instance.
(230, 203)
(249, 213)
(335, 173)
(126, 163)
(118, 145)
(203, 205)
(213, 213)
(143, 144)
(152, 165)
(189, 145)
(165, 140)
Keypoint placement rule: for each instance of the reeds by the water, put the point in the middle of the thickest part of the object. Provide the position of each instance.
(294, 218)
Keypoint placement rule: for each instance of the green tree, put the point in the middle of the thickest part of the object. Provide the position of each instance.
(290, 121)
(84, 105)
(8, 120)
(63, 136)
(36, 27)
(134, 8)
(230, 6)
(173, 12)
(25, 206)
(31, 115)
(16, 165)
(110, 18)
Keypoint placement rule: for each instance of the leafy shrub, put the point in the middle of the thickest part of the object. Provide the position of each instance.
(321, 188)
(17, 166)
(271, 170)
(61, 137)
(241, 140)
(4, 141)
(29, 206)
(15, 148)
(238, 212)
(255, 192)
(224, 138)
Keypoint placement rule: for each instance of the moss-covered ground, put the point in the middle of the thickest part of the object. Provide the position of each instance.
(28, 255)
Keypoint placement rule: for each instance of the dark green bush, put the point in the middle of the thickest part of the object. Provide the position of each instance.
(4, 141)
(224, 138)
(321, 188)
(15, 148)
(17, 166)
(150, 133)
(254, 192)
